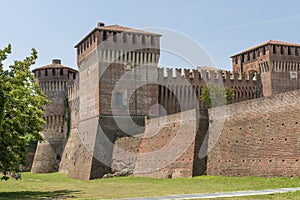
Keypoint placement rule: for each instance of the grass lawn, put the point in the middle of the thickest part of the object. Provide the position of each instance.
(58, 186)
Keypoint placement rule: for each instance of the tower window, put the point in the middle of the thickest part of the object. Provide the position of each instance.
(143, 39)
(118, 99)
(236, 60)
(152, 40)
(61, 72)
(46, 72)
(281, 50)
(274, 49)
(104, 35)
(296, 51)
(124, 38)
(74, 76)
(254, 55)
(264, 50)
(133, 38)
(39, 73)
(115, 36)
(53, 72)
(243, 58)
(289, 50)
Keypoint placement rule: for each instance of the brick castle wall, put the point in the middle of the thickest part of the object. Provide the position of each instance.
(260, 138)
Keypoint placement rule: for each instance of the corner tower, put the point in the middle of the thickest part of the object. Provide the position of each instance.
(277, 62)
(53, 80)
(115, 64)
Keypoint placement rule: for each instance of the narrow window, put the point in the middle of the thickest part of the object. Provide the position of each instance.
(124, 37)
(118, 99)
(248, 56)
(143, 39)
(53, 71)
(39, 73)
(115, 36)
(152, 40)
(74, 76)
(243, 58)
(254, 55)
(236, 60)
(289, 50)
(274, 49)
(281, 50)
(133, 39)
(104, 35)
(46, 72)
(296, 51)
(264, 50)
(61, 72)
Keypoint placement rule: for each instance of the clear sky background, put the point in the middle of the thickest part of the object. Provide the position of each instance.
(221, 27)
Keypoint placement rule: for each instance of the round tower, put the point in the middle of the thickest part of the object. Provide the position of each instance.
(54, 80)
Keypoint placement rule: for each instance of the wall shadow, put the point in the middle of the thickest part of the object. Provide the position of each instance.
(59, 194)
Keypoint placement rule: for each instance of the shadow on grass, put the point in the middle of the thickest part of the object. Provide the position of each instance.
(59, 194)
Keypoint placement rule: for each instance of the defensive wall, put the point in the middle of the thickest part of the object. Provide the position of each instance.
(260, 137)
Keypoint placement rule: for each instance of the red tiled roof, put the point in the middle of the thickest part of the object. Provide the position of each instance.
(117, 28)
(276, 42)
(54, 66)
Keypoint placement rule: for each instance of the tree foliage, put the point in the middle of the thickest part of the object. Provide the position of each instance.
(214, 95)
(21, 110)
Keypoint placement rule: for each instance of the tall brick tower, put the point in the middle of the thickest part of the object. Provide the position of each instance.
(277, 62)
(115, 65)
(53, 80)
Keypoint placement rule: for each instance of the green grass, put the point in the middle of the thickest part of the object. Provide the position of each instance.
(55, 186)
(283, 196)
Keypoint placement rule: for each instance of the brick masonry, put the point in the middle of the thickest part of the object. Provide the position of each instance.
(167, 147)
(259, 138)
(164, 150)
(120, 85)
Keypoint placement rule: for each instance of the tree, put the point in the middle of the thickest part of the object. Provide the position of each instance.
(21, 110)
(214, 95)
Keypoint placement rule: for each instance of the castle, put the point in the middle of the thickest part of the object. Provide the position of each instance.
(121, 111)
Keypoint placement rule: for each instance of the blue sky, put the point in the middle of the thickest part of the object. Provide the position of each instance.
(221, 27)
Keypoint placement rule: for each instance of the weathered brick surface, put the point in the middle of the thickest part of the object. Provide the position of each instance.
(167, 147)
(259, 138)
(125, 153)
(54, 80)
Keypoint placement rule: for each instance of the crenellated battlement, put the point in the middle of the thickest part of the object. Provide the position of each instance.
(180, 89)
(206, 74)
(54, 80)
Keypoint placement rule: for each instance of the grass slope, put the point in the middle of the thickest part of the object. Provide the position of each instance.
(58, 186)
